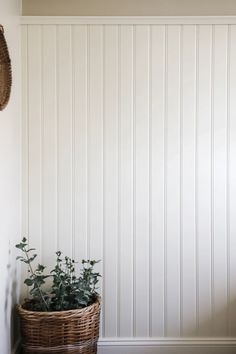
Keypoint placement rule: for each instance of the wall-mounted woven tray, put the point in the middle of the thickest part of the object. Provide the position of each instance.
(5, 71)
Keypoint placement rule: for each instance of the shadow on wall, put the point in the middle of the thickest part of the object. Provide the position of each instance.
(11, 299)
(221, 324)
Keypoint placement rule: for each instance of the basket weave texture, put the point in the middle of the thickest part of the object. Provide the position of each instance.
(5, 72)
(73, 331)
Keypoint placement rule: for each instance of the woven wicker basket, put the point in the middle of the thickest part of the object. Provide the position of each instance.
(5, 71)
(73, 331)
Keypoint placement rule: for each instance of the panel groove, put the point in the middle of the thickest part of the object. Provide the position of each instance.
(232, 177)
(150, 183)
(133, 176)
(134, 182)
(27, 132)
(86, 133)
(228, 179)
(103, 187)
(57, 128)
(196, 177)
(88, 150)
(103, 179)
(212, 175)
(41, 144)
(181, 178)
(72, 143)
(119, 181)
(28, 139)
(165, 180)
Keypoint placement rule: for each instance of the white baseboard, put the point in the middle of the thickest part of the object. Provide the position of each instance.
(168, 346)
(162, 346)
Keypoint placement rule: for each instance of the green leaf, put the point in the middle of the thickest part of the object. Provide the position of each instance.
(21, 246)
(40, 268)
(29, 282)
(32, 258)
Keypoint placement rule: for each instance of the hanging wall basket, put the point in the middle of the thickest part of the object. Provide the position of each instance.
(5, 71)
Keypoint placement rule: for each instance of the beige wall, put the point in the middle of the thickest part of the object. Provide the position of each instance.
(129, 7)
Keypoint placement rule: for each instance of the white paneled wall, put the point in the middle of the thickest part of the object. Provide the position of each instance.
(130, 157)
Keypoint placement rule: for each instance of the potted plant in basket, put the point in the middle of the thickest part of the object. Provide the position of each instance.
(63, 318)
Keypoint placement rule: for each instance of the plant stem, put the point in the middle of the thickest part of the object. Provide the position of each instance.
(32, 272)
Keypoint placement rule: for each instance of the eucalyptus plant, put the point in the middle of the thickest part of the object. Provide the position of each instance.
(70, 288)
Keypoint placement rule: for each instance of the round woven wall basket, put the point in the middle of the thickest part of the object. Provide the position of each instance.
(5, 71)
(72, 331)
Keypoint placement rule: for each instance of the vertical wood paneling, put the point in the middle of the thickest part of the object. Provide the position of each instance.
(64, 138)
(173, 183)
(25, 145)
(157, 109)
(125, 265)
(34, 137)
(80, 86)
(49, 145)
(219, 131)
(129, 157)
(188, 164)
(231, 176)
(203, 179)
(95, 143)
(25, 133)
(141, 188)
(111, 133)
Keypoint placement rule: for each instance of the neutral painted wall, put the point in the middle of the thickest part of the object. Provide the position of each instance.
(129, 157)
(10, 179)
(129, 7)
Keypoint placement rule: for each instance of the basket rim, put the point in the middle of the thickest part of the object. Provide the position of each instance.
(67, 312)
